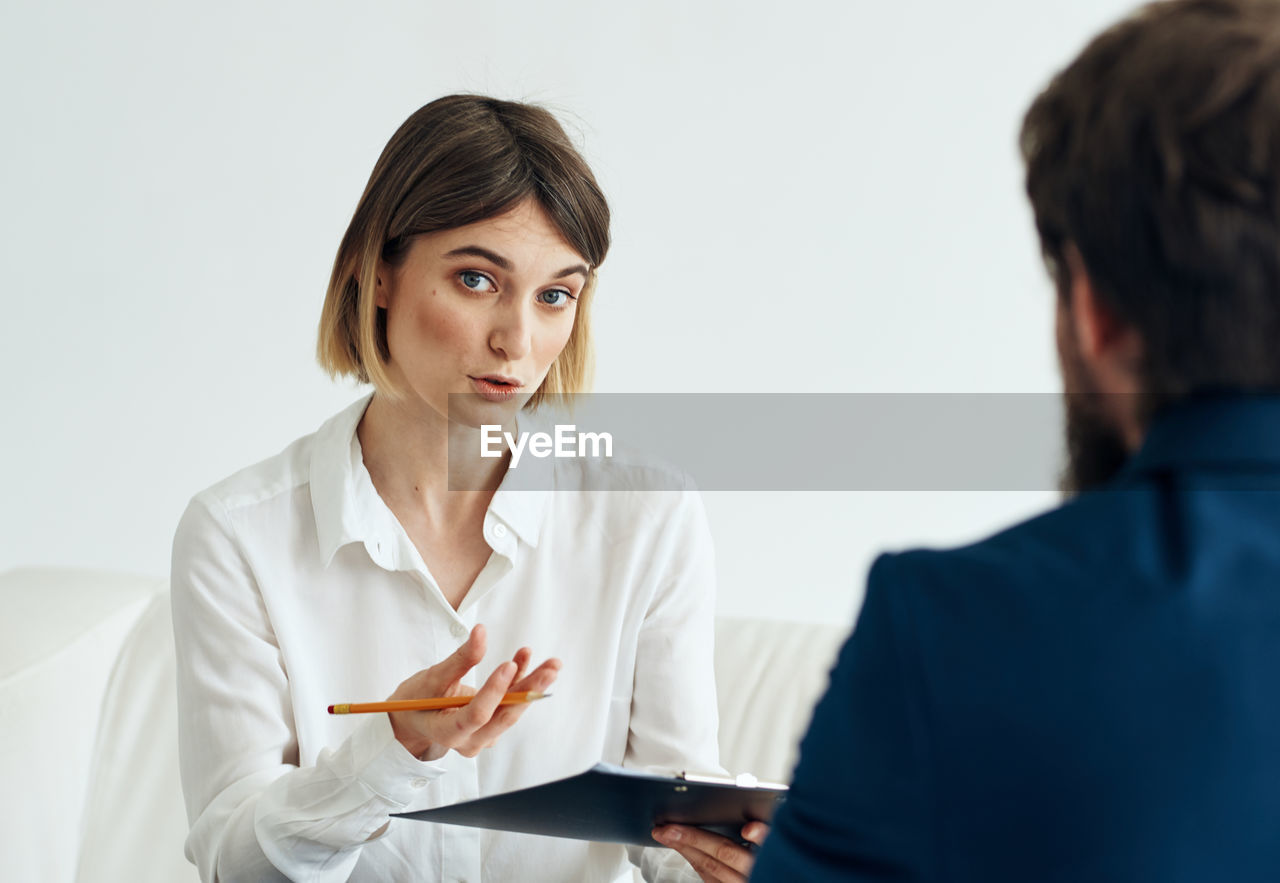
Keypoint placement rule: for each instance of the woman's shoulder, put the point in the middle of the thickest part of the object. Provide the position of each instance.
(286, 471)
(636, 491)
(626, 470)
(564, 454)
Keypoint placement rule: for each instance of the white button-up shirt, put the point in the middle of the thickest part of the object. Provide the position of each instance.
(294, 587)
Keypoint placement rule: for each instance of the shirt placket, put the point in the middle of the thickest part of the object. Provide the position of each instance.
(460, 847)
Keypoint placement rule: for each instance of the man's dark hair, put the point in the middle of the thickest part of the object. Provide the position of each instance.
(1157, 154)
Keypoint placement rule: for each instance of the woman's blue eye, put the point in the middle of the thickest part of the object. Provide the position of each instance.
(556, 297)
(475, 281)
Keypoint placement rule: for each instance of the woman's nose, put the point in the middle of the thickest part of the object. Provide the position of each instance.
(511, 335)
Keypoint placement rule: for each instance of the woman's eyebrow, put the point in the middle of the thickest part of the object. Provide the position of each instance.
(476, 251)
(569, 271)
(498, 260)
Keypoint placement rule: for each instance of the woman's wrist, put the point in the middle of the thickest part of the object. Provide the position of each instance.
(415, 743)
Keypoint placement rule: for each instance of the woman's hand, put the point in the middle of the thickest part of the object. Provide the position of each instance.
(430, 734)
(716, 859)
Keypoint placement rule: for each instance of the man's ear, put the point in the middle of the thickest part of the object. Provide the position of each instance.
(1100, 333)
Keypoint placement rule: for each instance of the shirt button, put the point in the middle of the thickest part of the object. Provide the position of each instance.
(419, 783)
(458, 629)
(499, 531)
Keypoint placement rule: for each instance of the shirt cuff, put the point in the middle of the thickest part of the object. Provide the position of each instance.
(317, 817)
(662, 865)
(386, 767)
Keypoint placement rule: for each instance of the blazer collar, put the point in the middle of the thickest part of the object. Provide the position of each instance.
(1230, 429)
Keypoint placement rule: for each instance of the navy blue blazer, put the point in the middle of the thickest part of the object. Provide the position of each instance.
(1092, 695)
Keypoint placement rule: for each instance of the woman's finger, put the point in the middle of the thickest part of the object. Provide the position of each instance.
(482, 706)
(540, 678)
(755, 832)
(715, 858)
(521, 659)
(455, 666)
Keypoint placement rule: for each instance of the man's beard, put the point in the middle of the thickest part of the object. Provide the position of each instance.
(1096, 451)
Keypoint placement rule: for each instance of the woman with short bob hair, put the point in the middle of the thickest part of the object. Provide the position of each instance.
(349, 567)
(458, 160)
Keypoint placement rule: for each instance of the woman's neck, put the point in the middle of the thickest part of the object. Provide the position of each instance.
(413, 455)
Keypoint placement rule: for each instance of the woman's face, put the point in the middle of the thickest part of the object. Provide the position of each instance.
(482, 309)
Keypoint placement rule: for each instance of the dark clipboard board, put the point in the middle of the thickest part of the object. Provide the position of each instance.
(616, 805)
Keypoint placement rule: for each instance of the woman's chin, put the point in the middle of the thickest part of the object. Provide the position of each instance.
(475, 411)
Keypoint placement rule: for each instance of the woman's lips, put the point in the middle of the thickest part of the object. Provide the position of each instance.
(495, 388)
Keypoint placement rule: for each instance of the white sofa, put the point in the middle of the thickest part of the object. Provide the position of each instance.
(88, 730)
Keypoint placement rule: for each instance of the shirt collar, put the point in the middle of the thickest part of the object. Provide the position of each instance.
(1232, 429)
(341, 512)
(346, 505)
(521, 498)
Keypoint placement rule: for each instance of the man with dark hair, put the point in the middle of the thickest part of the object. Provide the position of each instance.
(1095, 694)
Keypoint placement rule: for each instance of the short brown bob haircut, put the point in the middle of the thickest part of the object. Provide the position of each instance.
(1156, 153)
(458, 160)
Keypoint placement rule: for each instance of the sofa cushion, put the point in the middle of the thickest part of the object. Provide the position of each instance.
(769, 674)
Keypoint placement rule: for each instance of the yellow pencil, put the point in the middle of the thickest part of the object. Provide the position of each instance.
(434, 704)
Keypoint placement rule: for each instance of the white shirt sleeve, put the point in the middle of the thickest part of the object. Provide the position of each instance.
(673, 705)
(254, 814)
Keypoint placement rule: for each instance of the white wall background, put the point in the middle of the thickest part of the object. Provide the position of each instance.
(809, 196)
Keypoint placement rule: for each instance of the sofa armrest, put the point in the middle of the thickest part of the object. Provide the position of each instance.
(60, 637)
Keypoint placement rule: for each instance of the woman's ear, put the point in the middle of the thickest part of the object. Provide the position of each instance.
(382, 286)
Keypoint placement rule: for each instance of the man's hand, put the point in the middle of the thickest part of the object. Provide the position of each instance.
(468, 730)
(716, 859)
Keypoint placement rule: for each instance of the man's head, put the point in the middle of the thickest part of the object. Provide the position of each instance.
(1153, 168)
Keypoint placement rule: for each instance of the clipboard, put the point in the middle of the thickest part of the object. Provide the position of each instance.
(612, 804)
